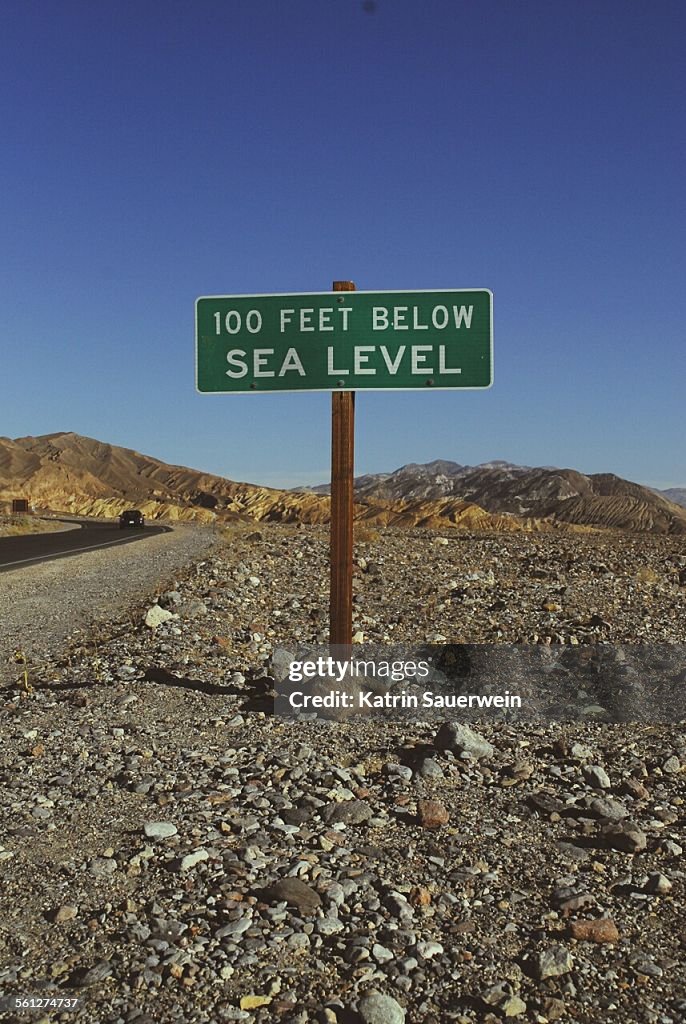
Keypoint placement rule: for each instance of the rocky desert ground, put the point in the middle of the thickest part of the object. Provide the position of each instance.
(172, 851)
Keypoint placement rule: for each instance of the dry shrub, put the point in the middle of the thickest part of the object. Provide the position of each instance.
(237, 530)
(366, 535)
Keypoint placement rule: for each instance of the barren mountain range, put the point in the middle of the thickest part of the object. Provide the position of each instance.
(563, 495)
(675, 494)
(66, 472)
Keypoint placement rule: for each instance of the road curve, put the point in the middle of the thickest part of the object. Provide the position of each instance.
(41, 547)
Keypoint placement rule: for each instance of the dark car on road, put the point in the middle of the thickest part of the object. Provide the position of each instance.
(131, 518)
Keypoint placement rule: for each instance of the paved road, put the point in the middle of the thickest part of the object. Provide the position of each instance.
(41, 547)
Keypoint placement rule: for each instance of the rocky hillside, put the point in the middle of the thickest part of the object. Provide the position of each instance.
(561, 495)
(69, 473)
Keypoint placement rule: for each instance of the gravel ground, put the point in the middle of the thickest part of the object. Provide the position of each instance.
(42, 607)
(172, 851)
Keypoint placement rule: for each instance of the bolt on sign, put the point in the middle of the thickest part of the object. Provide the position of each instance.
(349, 341)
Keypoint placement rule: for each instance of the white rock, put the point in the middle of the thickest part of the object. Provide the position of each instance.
(159, 829)
(156, 616)
(191, 859)
(427, 950)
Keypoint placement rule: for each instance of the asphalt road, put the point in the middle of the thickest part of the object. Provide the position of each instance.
(42, 547)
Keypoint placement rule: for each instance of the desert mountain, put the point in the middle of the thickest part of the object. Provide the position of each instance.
(675, 494)
(561, 495)
(66, 472)
(70, 473)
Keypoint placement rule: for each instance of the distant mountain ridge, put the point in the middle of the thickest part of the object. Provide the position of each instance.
(675, 494)
(67, 472)
(564, 495)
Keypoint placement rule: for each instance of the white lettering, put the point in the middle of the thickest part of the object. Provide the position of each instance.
(399, 318)
(292, 362)
(324, 319)
(235, 358)
(332, 371)
(444, 315)
(257, 320)
(463, 315)
(345, 312)
(442, 368)
(286, 317)
(392, 366)
(227, 321)
(417, 358)
(416, 324)
(259, 360)
(361, 358)
(305, 317)
(379, 318)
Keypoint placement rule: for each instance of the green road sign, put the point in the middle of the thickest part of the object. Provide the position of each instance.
(345, 341)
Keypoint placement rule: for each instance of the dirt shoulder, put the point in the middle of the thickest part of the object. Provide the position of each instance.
(43, 607)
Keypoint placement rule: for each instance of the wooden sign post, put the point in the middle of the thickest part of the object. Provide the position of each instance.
(342, 476)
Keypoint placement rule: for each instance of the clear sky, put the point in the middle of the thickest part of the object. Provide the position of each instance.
(155, 151)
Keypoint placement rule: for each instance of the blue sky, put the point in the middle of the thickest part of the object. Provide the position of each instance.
(157, 151)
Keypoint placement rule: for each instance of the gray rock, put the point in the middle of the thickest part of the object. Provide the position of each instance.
(328, 926)
(606, 807)
(159, 829)
(381, 954)
(658, 884)
(399, 771)
(627, 839)
(429, 769)
(191, 609)
(553, 962)
(85, 976)
(644, 965)
(462, 740)
(280, 663)
(354, 954)
(376, 1008)
(408, 964)
(580, 752)
(596, 776)
(234, 928)
(351, 812)
(503, 998)
(102, 867)
(296, 893)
